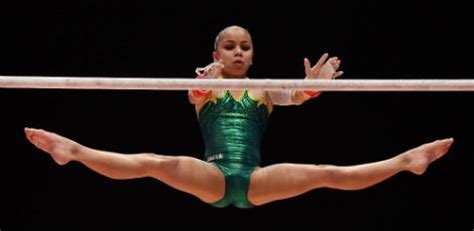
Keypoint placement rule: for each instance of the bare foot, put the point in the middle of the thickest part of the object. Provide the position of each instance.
(418, 159)
(60, 148)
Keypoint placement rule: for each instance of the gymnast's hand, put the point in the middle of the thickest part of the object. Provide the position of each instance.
(324, 69)
(211, 71)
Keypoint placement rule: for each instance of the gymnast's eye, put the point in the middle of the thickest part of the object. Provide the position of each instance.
(229, 46)
(245, 47)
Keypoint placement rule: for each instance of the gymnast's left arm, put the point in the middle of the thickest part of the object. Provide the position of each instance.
(324, 69)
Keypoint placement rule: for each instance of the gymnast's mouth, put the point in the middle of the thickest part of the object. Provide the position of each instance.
(239, 62)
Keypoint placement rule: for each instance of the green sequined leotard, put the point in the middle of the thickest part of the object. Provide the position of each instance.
(232, 131)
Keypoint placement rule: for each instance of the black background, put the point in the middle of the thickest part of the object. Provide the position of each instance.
(375, 40)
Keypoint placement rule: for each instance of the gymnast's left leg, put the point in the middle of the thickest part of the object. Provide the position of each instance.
(199, 178)
(281, 181)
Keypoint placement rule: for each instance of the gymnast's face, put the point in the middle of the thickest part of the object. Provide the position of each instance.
(235, 50)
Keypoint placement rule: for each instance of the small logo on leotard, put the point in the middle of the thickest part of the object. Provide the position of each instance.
(217, 156)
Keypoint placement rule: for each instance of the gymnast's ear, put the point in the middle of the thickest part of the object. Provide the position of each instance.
(215, 56)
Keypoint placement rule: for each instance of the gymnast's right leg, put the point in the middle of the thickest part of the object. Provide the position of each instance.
(201, 179)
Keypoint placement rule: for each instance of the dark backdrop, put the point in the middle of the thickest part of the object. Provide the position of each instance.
(140, 39)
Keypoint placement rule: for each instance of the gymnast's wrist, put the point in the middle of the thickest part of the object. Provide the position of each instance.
(311, 94)
(201, 93)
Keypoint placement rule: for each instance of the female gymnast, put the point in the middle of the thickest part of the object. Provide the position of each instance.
(233, 123)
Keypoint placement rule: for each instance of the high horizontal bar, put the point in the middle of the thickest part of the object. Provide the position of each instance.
(119, 83)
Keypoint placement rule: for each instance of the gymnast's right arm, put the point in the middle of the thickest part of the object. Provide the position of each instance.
(211, 71)
(198, 96)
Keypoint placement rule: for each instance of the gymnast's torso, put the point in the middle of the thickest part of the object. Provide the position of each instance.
(233, 124)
